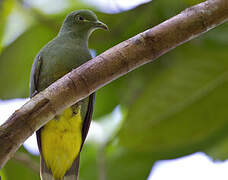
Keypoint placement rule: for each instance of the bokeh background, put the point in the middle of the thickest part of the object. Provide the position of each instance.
(173, 107)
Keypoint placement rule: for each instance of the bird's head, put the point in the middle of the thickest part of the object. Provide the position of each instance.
(82, 22)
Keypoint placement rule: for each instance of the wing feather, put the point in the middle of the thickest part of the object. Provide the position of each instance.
(35, 74)
(88, 117)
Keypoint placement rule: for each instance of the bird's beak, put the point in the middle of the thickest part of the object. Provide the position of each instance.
(99, 24)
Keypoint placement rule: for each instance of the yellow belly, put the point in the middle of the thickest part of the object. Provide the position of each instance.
(61, 140)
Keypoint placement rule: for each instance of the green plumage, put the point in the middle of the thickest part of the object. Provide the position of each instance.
(64, 53)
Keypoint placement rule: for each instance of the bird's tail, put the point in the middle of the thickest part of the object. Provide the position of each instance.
(71, 174)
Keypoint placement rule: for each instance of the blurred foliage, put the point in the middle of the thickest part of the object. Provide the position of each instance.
(174, 106)
(17, 170)
(2, 174)
(5, 9)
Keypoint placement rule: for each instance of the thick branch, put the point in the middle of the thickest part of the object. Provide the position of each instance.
(115, 62)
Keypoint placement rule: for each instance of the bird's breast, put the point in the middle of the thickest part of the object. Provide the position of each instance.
(59, 60)
(61, 141)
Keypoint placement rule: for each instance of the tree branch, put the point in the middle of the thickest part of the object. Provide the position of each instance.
(110, 65)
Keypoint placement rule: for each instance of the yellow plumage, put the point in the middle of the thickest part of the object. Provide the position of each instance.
(61, 140)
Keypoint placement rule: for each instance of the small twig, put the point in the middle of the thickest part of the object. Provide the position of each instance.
(101, 163)
(27, 161)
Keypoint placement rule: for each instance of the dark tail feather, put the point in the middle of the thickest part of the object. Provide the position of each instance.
(45, 173)
(71, 174)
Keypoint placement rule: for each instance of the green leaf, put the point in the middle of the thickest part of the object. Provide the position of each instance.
(2, 175)
(88, 162)
(219, 151)
(16, 170)
(5, 10)
(183, 109)
(114, 162)
(127, 164)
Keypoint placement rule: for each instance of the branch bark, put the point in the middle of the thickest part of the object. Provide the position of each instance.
(113, 63)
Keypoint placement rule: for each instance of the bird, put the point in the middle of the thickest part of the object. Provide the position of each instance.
(60, 140)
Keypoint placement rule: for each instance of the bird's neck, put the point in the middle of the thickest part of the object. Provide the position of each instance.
(77, 36)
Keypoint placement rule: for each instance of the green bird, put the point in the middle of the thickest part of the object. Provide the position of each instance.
(61, 139)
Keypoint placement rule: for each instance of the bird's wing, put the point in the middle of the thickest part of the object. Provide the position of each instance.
(35, 76)
(88, 117)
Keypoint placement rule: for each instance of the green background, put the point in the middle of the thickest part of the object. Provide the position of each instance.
(172, 107)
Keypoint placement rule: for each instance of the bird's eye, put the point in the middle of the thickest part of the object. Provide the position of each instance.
(80, 18)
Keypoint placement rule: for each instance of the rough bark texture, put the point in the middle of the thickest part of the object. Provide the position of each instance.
(113, 63)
